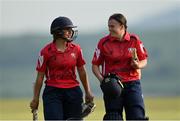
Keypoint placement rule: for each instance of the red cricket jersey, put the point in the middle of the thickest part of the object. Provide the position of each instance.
(59, 67)
(115, 56)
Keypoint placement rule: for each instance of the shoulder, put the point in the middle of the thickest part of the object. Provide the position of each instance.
(74, 46)
(46, 48)
(135, 38)
(103, 40)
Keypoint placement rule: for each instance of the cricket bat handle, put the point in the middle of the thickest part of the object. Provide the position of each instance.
(134, 54)
(35, 115)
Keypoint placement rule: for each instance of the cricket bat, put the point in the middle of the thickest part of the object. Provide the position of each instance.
(35, 115)
(135, 57)
(134, 54)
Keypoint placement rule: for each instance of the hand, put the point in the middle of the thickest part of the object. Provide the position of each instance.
(89, 97)
(101, 80)
(34, 104)
(135, 64)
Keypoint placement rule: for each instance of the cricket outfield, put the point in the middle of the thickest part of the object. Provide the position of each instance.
(165, 108)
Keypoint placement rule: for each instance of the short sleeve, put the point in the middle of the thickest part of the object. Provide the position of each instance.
(98, 57)
(141, 51)
(80, 59)
(42, 62)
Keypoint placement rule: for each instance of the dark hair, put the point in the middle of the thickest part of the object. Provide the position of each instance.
(119, 18)
(55, 37)
(57, 34)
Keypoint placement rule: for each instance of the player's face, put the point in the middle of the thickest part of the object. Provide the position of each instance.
(115, 28)
(68, 32)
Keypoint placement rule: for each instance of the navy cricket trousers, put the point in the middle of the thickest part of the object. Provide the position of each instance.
(131, 100)
(62, 104)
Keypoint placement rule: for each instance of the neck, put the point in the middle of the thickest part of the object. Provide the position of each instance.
(120, 36)
(61, 44)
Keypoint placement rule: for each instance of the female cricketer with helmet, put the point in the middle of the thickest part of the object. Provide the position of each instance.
(121, 54)
(58, 60)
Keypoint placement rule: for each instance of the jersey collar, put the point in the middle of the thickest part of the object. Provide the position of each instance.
(125, 38)
(54, 48)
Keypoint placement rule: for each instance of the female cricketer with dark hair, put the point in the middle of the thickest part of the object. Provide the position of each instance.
(58, 60)
(115, 54)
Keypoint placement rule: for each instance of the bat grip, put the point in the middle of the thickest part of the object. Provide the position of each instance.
(35, 115)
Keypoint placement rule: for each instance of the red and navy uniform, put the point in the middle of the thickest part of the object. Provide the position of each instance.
(62, 96)
(115, 56)
(58, 66)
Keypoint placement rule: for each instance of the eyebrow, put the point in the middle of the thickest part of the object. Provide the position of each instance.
(110, 25)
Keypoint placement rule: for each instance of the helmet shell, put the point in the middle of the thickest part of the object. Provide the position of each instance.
(61, 23)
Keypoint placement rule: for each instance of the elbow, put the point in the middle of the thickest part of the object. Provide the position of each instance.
(81, 70)
(94, 68)
(144, 63)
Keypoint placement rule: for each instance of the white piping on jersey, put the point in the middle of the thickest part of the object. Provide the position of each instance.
(97, 52)
(142, 47)
(41, 60)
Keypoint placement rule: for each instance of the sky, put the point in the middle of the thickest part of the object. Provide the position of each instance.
(22, 16)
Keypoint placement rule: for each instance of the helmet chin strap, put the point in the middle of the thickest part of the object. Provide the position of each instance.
(67, 39)
(72, 38)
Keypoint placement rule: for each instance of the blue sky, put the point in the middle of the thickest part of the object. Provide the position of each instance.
(19, 16)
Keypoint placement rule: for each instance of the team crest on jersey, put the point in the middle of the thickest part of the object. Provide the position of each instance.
(73, 55)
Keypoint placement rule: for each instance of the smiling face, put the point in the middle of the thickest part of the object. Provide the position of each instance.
(115, 28)
(68, 32)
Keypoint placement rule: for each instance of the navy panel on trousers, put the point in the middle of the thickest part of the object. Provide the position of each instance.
(131, 100)
(61, 104)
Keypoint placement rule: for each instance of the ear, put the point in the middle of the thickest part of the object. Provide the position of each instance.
(122, 26)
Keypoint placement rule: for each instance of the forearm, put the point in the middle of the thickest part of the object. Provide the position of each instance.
(38, 86)
(84, 79)
(97, 72)
(142, 64)
(37, 89)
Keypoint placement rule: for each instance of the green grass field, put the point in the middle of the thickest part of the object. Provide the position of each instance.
(156, 109)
